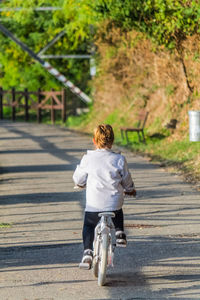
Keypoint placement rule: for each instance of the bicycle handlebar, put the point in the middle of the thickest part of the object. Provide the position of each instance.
(79, 186)
(133, 193)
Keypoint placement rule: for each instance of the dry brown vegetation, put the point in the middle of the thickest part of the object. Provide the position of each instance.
(134, 73)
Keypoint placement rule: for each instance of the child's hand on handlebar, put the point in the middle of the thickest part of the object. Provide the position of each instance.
(80, 186)
(132, 193)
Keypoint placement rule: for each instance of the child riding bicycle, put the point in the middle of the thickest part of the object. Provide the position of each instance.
(106, 177)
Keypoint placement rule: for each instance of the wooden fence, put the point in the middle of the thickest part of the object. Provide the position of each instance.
(38, 101)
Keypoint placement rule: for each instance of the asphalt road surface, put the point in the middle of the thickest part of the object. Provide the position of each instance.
(41, 246)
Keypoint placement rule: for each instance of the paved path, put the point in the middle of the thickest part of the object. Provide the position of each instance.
(40, 252)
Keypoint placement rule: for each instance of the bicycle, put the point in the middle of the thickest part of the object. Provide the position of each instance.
(103, 246)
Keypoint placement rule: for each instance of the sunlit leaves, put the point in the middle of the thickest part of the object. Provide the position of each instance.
(36, 29)
(165, 21)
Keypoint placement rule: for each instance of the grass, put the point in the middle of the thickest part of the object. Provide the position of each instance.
(181, 155)
(5, 225)
(76, 121)
(161, 146)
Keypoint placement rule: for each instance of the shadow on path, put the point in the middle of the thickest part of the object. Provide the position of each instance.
(171, 263)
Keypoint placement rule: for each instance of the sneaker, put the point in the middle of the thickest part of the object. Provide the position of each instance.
(86, 261)
(120, 239)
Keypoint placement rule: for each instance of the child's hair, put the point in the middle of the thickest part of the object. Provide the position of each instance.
(104, 136)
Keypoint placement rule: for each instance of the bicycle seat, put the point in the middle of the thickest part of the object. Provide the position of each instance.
(107, 214)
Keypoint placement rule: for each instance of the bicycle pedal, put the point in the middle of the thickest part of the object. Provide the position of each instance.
(85, 266)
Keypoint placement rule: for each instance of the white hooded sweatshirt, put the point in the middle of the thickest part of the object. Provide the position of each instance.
(106, 176)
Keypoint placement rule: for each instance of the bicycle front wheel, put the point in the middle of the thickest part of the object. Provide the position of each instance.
(103, 258)
(95, 263)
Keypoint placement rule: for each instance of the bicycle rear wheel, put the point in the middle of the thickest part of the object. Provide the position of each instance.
(103, 258)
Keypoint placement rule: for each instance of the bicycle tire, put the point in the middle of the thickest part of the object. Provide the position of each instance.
(95, 263)
(95, 268)
(102, 265)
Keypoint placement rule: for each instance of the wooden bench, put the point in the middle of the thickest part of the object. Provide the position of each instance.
(142, 118)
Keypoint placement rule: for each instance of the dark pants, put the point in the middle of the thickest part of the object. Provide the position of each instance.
(91, 220)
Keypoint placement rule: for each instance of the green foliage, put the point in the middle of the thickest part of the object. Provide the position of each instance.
(167, 22)
(80, 18)
(36, 29)
(76, 121)
(5, 225)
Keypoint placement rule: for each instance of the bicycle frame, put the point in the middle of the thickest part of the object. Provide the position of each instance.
(103, 244)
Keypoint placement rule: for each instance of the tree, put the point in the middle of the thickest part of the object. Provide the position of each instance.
(36, 28)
